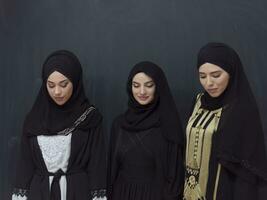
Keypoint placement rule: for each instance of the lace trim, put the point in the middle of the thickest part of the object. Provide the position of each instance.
(94, 194)
(98, 193)
(20, 192)
(67, 131)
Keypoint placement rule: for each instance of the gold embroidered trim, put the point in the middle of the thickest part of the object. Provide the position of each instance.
(217, 182)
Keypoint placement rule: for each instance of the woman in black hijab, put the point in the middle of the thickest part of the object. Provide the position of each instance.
(145, 161)
(225, 152)
(62, 153)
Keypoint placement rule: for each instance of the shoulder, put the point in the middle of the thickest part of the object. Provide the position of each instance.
(117, 122)
(198, 96)
(197, 99)
(116, 129)
(94, 111)
(94, 117)
(196, 103)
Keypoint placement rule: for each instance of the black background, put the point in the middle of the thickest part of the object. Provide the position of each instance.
(109, 37)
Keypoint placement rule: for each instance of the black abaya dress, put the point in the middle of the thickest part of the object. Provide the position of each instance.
(143, 166)
(86, 177)
(207, 176)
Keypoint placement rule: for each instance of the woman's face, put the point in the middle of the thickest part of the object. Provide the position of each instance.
(213, 79)
(143, 88)
(59, 87)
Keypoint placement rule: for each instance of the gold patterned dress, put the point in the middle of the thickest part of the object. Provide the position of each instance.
(201, 127)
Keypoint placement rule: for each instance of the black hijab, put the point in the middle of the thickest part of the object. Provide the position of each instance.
(48, 118)
(161, 112)
(239, 139)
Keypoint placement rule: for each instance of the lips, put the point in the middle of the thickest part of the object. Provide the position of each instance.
(59, 98)
(143, 98)
(213, 90)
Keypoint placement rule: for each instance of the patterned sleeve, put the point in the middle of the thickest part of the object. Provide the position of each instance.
(96, 168)
(19, 194)
(98, 195)
(25, 170)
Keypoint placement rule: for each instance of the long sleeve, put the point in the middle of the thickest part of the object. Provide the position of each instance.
(234, 187)
(96, 168)
(243, 186)
(112, 165)
(25, 170)
(244, 190)
(175, 174)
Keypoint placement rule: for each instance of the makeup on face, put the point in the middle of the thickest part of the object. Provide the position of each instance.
(143, 88)
(59, 87)
(213, 79)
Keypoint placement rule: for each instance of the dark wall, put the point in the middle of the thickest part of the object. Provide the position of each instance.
(109, 37)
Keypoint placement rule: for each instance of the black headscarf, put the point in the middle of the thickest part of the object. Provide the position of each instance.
(48, 118)
(161, 112)
(239, 139)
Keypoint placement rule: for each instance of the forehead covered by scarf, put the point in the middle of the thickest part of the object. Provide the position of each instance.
(226, 58)
(48, 118)
(160, 112)
(151, 70)
(221, 55)
(240, 140)
(64, 62)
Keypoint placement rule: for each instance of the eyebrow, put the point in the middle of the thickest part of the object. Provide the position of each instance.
(66, 80)
(215, 72)
(145, 82)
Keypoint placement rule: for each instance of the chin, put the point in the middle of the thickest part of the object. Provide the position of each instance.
(60, 103)
(144, 102)
(215, 95)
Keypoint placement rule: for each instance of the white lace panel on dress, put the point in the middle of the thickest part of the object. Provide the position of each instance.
(56, 152)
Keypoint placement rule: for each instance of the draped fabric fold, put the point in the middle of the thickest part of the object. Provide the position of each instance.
(76, 167)
(240, 139)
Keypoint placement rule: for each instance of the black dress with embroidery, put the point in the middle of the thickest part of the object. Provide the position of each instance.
(86, 171)
(143, 166)
(207, 177)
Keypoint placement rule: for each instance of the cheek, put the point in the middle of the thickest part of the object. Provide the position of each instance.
(68, 91)
(50, 91)
(202, 82)
(152, 91)
(223, 83)
(134, 91)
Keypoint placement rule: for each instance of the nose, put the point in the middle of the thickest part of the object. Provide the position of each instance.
(142, 90)
(57, 91)
(209, 81)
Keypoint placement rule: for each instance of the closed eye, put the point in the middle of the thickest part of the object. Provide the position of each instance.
(135, 85)
(65, 84)
(51, 85)
(216, 75)
(150, 85)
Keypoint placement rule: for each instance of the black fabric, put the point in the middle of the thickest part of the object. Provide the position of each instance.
(55, 193)
(48, 118)
(240, 139)
(146, 158)
(86, 171)
(160, 112)
(230, 185)
(143, 165)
